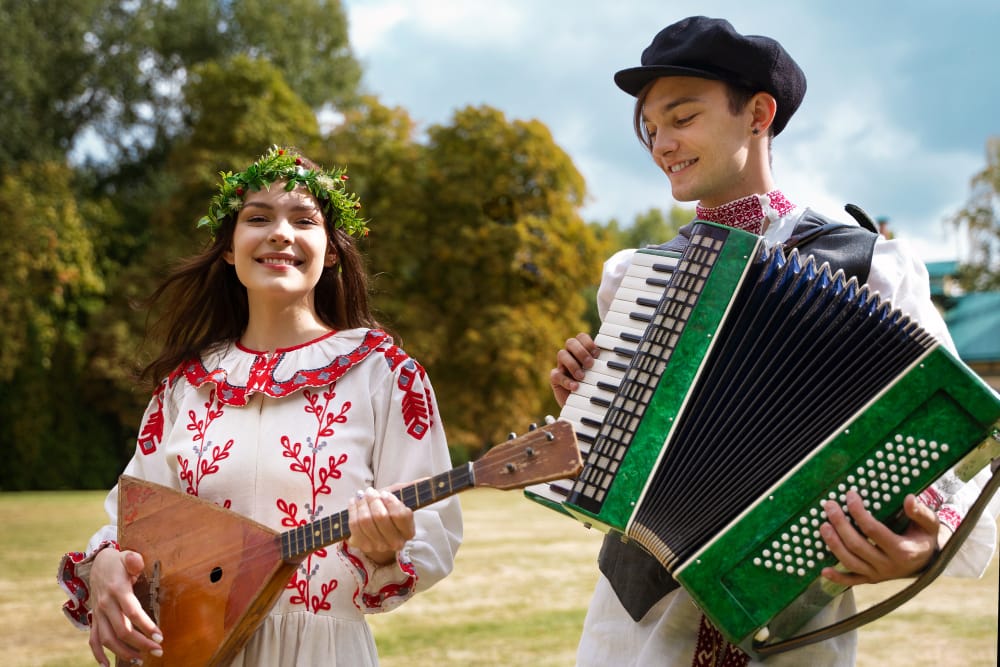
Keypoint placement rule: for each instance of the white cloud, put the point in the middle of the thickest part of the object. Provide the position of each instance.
(373, 23)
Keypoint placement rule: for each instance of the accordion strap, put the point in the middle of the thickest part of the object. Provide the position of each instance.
(936, 567)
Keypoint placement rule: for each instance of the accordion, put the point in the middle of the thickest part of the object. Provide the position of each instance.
(739, 388)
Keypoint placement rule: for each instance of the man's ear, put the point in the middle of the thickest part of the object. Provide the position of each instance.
(762, 106)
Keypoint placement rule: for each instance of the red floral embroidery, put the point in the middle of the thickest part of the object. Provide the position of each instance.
(746, 213)
(713, 650)
(76, 607)
(207, 456)
(151, 433)
(308, 463)
(376, 600)
(417, 411)
(949, 517)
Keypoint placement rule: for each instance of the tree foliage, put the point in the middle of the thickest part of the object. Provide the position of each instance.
(504, 254)
(979, 220)
(47, 79)
(49, 290)
(378, 145)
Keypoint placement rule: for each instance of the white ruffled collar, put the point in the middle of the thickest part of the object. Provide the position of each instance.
(238, 372)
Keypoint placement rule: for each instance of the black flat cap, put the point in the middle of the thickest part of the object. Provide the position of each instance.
(712, 49)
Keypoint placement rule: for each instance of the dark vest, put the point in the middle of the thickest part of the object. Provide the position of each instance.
(637, 578)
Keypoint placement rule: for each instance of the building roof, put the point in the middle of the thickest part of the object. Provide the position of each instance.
(974, 324)
(940, 273)
(941, 270)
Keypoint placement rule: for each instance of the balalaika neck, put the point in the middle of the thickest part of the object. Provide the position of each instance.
(301, 541)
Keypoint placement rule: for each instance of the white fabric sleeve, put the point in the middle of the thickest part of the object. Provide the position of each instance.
(400, 456)
(898, 276)
(611, 277)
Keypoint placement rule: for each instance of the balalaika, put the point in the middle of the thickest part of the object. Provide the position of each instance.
(739, 388)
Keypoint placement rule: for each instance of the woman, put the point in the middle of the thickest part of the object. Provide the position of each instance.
(280, 398)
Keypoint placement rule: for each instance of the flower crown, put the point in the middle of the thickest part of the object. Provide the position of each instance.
(338, 205)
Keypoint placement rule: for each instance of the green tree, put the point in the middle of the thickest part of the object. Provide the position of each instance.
(503, 253)
(116, 67)
(306, 40)
(386, 166)
(49, 290)
(46, 82)
(979, 221)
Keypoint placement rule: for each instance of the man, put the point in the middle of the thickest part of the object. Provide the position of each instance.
(709, 101)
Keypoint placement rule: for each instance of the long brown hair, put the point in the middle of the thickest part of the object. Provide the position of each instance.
(203, 303)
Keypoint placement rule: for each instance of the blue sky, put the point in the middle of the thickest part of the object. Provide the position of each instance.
(901, 98)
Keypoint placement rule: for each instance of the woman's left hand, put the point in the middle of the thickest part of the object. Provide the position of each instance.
(872, 552)
(380, 524)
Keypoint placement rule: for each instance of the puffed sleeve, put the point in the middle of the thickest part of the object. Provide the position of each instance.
(614, 271)
(410, 445)
(898, 276)
(146, 463)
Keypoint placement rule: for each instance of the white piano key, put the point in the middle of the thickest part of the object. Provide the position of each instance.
(641, 258)
(641, 284)
(602, 372)
(629, 307)
(629, 295)
(626, 321)
(591, 391)
(602, 380)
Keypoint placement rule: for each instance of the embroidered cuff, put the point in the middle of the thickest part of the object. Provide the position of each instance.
(380, 587)
(69, 579)
(948, 515)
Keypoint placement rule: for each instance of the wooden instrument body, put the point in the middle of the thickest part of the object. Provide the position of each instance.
(214, 574)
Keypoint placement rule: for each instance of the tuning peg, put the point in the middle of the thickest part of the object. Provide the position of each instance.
(511, 435)
(549, 419)
(549, 436)
(533, 427)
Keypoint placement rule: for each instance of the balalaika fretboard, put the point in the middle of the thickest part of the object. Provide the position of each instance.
(759, 386)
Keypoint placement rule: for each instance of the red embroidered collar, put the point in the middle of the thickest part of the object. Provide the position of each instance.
(748, 213)
(264, 369)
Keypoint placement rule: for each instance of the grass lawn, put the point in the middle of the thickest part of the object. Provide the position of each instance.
(517, 596)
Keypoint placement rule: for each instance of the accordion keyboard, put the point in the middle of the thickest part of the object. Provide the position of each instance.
(630, 312)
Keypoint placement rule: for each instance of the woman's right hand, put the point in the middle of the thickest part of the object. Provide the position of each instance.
(118, 621)
(571, 362)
